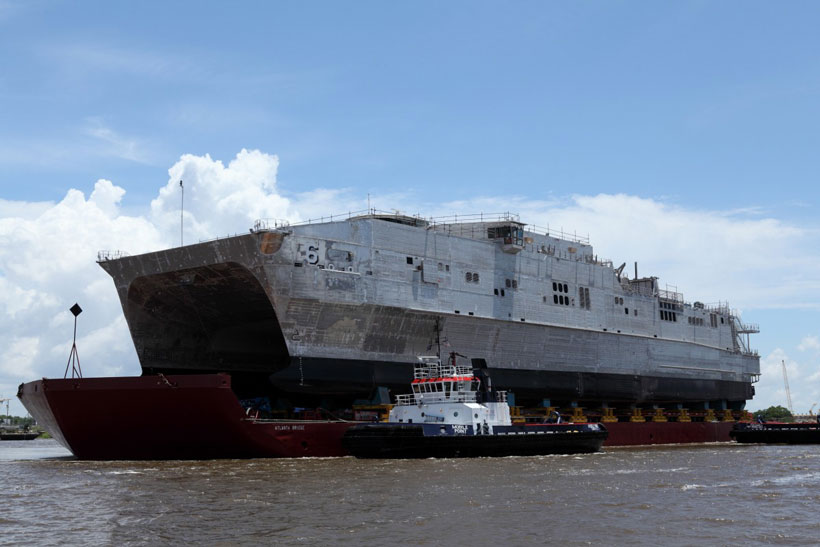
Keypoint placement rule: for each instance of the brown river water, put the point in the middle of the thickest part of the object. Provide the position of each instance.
(719, 494)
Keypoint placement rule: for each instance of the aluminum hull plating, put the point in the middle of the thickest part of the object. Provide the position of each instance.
(343, 307)
(412, 441)
(168, 417)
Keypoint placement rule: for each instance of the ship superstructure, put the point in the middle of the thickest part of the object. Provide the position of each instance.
(341, 308)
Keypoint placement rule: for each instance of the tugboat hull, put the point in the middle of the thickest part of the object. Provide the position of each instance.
(440, 441)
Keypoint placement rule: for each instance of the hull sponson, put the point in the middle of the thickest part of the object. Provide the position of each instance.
(362, 297)
(333, 376)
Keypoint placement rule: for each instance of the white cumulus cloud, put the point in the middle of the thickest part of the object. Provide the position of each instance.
(809, 343)
(219, 200)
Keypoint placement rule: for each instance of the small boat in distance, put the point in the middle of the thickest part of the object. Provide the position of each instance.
(17, 435)
(454, 412)
(777, 433)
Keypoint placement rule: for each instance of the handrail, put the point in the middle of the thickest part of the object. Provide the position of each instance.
(454, 219)
(105, 256)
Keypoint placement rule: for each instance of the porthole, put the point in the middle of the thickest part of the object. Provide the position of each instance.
(455, 414)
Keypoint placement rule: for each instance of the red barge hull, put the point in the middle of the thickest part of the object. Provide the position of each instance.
(638, 433)
(199, 417)
(168, 417)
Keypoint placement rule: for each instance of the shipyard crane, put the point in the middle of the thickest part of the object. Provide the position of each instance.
(786, 383)
(7, 407)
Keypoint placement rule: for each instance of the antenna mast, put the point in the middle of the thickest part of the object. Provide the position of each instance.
(181, 209)
(786, 383)
(73, 357)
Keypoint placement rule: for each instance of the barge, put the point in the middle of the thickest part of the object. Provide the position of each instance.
(332, 313)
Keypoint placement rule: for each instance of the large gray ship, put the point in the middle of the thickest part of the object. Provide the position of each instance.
(339, 309)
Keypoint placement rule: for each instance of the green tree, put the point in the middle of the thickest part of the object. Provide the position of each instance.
(775, 414)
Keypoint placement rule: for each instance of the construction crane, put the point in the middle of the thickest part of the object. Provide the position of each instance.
(811, 410)
(7, 407)
(786, 383)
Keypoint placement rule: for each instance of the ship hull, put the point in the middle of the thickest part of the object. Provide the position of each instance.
(649, 433)
(199, 417)
(415, 441)
(531, 387)
(168, 417)
(341, 308)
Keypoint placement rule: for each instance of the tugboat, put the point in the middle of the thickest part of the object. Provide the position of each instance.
(454, 412)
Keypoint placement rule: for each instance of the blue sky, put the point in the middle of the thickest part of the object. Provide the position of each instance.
(702, 116)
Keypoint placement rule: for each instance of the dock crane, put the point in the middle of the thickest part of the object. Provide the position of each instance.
(786, 383)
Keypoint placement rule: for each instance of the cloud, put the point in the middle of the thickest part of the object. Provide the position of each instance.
(115, 144)
(47, 262)
(88, 141)
(220, 200)
(48, 253)
(23, 209)
(802, 376)
(810, 343)
(710, 256)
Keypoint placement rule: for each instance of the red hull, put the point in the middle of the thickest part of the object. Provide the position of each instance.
(199, 417)
(634, 434)
(168, 417)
